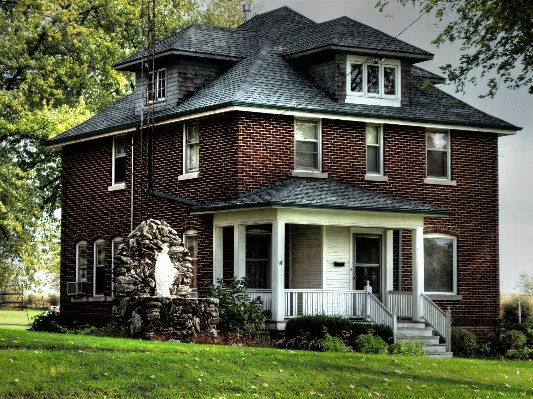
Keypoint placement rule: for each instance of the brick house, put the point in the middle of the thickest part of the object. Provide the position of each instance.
(311, 158)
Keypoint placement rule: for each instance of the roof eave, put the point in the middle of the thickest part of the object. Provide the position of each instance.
(415, 57)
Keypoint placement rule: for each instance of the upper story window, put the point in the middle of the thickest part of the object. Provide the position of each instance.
(374, 150)
(190, 238)
(157, 85)
(440, 264)
(119, 160)
(99, 267)
(438, 154)
(373, 81)
(192, 147)
(81, 262)
(307, 145)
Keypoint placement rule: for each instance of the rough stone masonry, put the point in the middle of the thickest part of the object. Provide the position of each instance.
(136, 307)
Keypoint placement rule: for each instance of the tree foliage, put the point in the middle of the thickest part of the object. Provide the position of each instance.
(525, 283)
(496, 38)
(56, 70)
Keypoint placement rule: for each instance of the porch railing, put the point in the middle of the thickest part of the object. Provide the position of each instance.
(265, 295)
(439, 320)
(303, 302)
(377, 312)
(402, 301)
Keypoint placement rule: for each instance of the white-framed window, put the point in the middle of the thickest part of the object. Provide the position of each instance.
(440, 264)
(374, 149)
(190, 240)
(191, 144)
(373, 78)
(307, 144)
(115, 244)
(119, 160)
(157, 82)
(99, 267)
(81, 261)
(438, 154)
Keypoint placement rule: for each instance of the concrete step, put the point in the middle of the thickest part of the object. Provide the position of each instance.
(439, 348)
(442, 355)
(411, 324)
(415, 332)
(424, 340)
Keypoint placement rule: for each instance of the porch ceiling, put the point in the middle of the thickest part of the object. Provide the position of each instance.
(320, 194)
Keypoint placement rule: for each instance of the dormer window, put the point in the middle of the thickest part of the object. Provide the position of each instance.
(373, 81)
(157, 85)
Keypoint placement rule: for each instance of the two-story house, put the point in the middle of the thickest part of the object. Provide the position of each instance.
(311, 158)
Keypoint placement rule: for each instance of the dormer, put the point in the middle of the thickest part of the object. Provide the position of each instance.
(355, 63)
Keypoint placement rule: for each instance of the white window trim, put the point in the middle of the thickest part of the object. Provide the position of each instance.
(440, 180)
(78, 245)
(190, 233)
(454, 238)
(95, 264)
(370, 98)
(307, 172)
(189, 173)
(116, 186)
(155, 86)
(380, 173)
(113, 242)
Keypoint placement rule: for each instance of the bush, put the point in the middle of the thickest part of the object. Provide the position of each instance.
(513, 340)
(510, 312)
(53, 299)
(526, 328)
(379, 330)
(238, 314)
(464, 343)
(368, 343)
(48, 322)
(334, 344)
(314, 327)
(409, 348)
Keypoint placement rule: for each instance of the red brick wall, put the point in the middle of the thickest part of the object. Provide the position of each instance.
(244, 151)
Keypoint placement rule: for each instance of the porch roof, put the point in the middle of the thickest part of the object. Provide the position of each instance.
(322, 194)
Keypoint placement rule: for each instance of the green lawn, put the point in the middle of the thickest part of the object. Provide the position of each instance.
(75, 366)
(16, 318)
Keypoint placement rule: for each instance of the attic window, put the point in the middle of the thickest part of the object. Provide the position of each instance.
(373, 81)
(157, 85)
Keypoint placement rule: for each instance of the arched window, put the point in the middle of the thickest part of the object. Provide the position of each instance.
(115, 244)
(99, 267)
(81, 261)
(440, 263)
(190, 239)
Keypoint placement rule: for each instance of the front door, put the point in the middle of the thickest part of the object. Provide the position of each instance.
(367, 256)
(258, 260)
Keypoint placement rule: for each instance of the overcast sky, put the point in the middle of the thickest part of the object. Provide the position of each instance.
(515, 106)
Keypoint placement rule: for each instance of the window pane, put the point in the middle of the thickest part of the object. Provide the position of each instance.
(306, 130)
(193, 157)
(161, 82)
(437, 141)
(100, 254)
(120, 146)
(372, 134)
(257, 260)
(438, 264)
(357, 78)
(367, 250)
(120, 170)
(437, 164)
(372, 159)
(193, 133)
(191, 243)
(389, 83)
(362, 274)
(372, 79)
(82, 255)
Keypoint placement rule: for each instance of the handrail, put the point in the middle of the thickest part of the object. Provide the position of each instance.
(377, 312)
(402, 301)
(439, 320)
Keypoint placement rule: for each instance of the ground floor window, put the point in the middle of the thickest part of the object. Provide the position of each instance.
(190, 238)
(117, 242)
(440, 263)
(99, 267)
(81, 261)
(258, 259)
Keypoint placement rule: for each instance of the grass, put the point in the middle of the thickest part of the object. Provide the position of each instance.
(16, 318)
(76, 366)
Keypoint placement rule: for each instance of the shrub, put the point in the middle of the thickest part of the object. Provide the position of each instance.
(513, 339)
(464, 343)
(409, 348)
(527, 329)
(380, 330)
(238, 314)
(334, 344)
(53, 299)
(47, 321)
(313, 327)
(510, 312)
(368, 343)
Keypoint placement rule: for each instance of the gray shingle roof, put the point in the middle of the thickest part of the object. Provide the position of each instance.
(321, 194)
(264, 78)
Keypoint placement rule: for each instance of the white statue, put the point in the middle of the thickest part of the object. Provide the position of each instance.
(164, 273)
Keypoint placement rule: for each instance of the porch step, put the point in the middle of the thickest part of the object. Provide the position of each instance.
(419, 332)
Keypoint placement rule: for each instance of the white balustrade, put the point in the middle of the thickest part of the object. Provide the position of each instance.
(402, 301)
(439, 320)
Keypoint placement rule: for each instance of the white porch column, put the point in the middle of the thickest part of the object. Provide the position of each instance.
(389, 267)
(278, 274)
(239, 250)
(418, 272)
(218, 263)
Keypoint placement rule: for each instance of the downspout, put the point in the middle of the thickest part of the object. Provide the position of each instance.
(400, 260)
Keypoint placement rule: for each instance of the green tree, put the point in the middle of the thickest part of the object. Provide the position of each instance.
(525, 283)
(496, 38)
(56, 70)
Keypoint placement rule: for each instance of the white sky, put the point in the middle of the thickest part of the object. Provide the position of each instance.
(516, 152)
